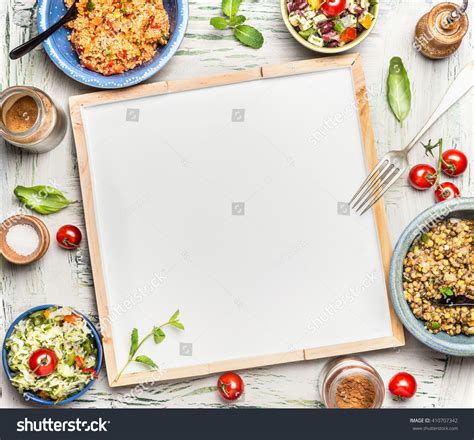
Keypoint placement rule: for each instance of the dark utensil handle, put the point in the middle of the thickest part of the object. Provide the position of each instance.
(23, 49)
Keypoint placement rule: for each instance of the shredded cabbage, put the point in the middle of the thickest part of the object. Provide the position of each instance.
(72, 343)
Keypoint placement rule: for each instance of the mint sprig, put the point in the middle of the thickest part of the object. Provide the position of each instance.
(247, 35)
(158, 336)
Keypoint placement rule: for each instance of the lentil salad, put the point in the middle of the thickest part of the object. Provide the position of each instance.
(440, 263)
(113, 36)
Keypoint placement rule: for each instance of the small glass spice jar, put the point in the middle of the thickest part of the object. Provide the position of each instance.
(350, 382)
(30, 120)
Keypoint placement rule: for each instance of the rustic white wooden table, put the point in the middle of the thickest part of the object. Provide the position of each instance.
(65, 277)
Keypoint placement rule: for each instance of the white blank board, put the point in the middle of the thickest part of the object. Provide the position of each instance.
(235, 222)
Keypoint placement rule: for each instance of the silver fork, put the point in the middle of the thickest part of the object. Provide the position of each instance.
(394, 163)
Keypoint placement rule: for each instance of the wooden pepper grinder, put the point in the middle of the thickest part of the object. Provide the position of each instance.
(439, 33)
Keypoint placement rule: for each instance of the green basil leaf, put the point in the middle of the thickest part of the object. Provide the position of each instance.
(42, 199)
(177, 324)
(230, 7)
(175, 316)
(146, 360)
(134, 342)
(238, 19)
(158, 335)
(446, 291)
(219, 23)
(249, 36)
(398, 89)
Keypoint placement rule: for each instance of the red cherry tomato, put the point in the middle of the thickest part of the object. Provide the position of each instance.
(402, 385)
(454, 162)
(446, 191)
(422, 176)
(43, 362)
(68, 237)
(231, 386)
(332, 8)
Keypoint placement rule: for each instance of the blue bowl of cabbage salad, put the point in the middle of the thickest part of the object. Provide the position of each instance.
(52, 354)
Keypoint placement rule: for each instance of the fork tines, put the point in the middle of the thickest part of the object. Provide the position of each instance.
(377, 182)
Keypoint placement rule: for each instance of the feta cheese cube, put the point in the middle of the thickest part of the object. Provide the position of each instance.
(305, 24)
(294, 19)
(319, 19)
(349, 21)
(309, 14)
(314, 39)
(364, 3)
(350, 6)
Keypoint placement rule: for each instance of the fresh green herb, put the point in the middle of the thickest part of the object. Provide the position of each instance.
(398, 89)
(146, 360)
(108, 53)
(43, 199)
(90, 5)
(220, 23)
(230, 7)
(435, 325)
(446, 292)
(238, 19)
(425, 238)
(158, 336)
(123, 9)
(247, 35)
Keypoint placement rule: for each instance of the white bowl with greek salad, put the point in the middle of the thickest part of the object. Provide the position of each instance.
(52, 354)
(329, 26)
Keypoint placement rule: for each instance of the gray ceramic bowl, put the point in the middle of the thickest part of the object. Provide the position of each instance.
(460, 345)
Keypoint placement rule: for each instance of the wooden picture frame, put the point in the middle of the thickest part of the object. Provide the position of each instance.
(352, 61)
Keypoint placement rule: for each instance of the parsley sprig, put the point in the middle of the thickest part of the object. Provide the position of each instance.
(247, 35)
(158, 336)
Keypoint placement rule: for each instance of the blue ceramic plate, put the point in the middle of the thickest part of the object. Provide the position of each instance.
(34, 397)
(63, 55)
(459, 345)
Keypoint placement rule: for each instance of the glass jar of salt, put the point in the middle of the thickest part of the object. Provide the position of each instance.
(29, 119)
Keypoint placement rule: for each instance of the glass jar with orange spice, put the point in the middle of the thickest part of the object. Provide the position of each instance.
(29, 119)
(350, 382)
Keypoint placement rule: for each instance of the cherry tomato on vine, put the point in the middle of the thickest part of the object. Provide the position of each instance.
(230, 386)
(454, 162)
(332, 8)
(69, 236)
(422, 176)
(446, 191)
(43, 362)
(402, 385)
